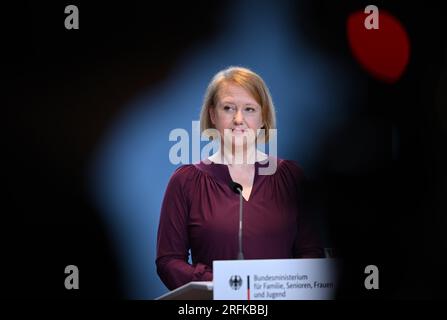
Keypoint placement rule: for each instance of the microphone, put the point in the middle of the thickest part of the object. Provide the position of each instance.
(237, 188)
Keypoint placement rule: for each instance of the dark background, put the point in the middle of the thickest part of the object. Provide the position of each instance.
(64, 86)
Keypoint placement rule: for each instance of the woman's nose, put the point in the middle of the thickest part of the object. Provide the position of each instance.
(238, 117)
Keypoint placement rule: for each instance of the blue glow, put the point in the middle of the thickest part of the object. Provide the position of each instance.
(131, 167)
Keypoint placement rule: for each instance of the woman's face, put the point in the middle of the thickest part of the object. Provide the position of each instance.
(236, 110)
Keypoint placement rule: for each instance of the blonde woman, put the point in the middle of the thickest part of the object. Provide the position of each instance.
(200, 211)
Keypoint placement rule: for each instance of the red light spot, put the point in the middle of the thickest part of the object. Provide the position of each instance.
(383, 52)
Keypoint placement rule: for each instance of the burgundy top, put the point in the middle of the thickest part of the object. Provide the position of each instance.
(200, 212)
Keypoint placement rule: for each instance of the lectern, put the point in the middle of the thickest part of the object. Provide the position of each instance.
(195, 290)
(272, 279)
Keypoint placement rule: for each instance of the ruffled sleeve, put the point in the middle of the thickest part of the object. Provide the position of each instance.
(307, 243)
(173, 241)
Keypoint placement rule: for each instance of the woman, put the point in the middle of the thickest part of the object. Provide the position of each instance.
(200, 211)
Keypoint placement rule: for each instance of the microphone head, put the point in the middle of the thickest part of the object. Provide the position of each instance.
(235, 186)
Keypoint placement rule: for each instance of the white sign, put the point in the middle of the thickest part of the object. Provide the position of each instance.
(275, 279)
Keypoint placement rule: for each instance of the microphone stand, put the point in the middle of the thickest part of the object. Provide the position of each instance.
(240, 255)
(237, 188)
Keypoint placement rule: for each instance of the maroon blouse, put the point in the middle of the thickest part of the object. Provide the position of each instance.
(201, 213)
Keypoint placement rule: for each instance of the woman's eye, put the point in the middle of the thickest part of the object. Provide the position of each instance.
(228, 108)
(249, 109)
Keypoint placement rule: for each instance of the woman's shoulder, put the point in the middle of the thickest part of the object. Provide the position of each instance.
(184, 173)
(288, 166)
(289, 170)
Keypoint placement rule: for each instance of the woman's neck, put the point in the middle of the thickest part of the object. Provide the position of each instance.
(229, 157)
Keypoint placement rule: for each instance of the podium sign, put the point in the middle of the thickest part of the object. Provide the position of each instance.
(276, 279)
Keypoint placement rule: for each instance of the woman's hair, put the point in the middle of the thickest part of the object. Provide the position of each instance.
(248, 80)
